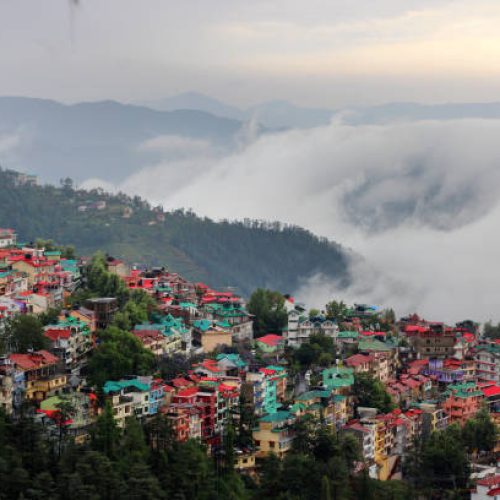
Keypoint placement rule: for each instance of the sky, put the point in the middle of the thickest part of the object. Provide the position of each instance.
(326, 53)
(419, 201)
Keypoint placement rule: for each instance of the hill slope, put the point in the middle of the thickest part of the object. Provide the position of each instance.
(241, 255)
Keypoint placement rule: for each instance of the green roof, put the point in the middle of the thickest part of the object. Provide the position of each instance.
(312, 394)
(50, 403)
(374, 345)
(52, 253)
(116, 386)
(348, 335)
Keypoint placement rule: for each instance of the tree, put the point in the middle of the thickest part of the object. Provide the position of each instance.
(491, 331)
(480, 432)
(119, 353)
(326, 493)
(443, 460)
(106, 433)
(313, 313)
(371, 393)
(268, 307)
(336, 311)
(133, 448)
(23, 333)
(65, 410)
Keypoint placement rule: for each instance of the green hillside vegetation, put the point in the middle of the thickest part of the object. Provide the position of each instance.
(245, 255)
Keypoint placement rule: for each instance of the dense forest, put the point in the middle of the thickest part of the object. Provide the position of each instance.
(244, 255)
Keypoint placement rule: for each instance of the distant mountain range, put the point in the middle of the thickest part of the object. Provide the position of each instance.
(240, 255)
(98, 139)
(283, 114)
(277, 114)
(106, 140)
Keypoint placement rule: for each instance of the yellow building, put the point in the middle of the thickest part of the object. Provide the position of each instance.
(274, 434)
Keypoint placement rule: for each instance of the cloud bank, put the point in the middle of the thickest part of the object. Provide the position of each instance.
(418, 200)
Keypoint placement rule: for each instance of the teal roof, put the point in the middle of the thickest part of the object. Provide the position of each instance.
(348, 335)
(313, 394)
(234, 358)
(203, 324)
(187, 305)
(295, 408)
(116, 386)
(52, 253)
(276, 368)
(279, 416)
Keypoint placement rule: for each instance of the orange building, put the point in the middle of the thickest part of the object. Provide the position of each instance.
(463, 402)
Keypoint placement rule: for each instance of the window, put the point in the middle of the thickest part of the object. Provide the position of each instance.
(271, 444)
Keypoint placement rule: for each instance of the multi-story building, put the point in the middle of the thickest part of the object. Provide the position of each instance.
(274, 434)
(300, 328)
(139, 396)
(365, 434)
(435, 340)
(463, 402)
(42, 373)
(487, 358)
(71, 341)
(8, 238)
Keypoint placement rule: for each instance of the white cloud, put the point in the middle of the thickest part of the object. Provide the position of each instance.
(418, 200)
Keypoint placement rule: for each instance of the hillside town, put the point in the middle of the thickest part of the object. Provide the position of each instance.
(144, 342)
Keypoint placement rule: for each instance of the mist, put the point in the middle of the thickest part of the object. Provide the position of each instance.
(419, 201)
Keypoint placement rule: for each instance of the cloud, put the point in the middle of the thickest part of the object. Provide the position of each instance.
(9, 142)
(419, 200)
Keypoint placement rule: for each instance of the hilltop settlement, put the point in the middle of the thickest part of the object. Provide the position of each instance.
(121, 381)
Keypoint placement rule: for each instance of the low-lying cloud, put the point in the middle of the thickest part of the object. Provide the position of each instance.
(418, 200)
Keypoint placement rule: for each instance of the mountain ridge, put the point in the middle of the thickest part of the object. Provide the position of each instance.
(245, 255)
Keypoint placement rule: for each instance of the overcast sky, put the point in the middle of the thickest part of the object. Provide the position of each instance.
(315, 52)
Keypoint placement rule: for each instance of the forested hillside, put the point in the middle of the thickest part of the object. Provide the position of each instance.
(241, 255)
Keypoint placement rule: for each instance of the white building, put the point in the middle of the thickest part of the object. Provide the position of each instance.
(301, 328)
(8, 238)
(488, 362)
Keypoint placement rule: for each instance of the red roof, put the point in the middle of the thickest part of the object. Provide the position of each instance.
(489, 481)
(180, 382)
(34, 360)
(493, 390)
(367, 333)
(357, 360)
(56, 334)
(185, 393)
(469, 337)
(270, 339)
(415, 329)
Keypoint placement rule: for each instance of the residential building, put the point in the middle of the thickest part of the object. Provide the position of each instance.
(463, 402)
(42, 374)
(274, 434)
(487, 357)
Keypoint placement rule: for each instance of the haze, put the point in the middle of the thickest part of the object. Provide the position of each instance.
(328, 53)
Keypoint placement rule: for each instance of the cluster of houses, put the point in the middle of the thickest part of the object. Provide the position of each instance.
(435, 374)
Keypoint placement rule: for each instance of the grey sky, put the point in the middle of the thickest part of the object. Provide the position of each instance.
(319, 52)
